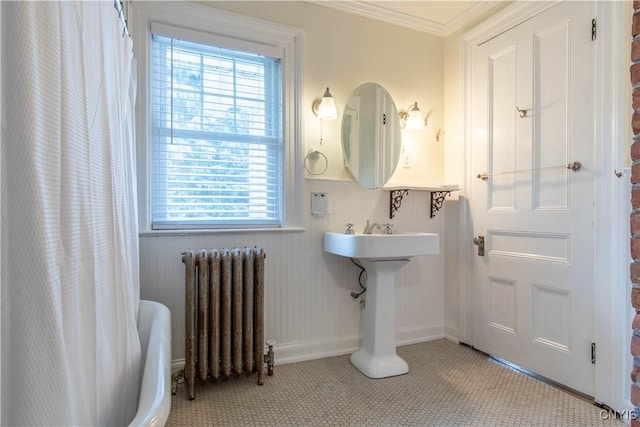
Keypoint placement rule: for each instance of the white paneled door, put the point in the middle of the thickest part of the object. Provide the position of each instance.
(532, 120)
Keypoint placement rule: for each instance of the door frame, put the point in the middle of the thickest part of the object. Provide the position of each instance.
(612, 326)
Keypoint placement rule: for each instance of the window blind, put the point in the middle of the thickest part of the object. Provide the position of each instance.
(216, 149)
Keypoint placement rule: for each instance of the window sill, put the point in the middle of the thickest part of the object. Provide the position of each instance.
(210, 231)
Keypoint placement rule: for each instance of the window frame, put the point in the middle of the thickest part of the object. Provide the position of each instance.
(212, 23)
(262, 205)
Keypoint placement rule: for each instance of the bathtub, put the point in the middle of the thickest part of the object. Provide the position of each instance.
(154, 328)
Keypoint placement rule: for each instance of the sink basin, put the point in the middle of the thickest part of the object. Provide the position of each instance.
(381, 246)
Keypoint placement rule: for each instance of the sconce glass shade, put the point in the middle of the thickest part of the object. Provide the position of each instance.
(414, 119)
(325, 108)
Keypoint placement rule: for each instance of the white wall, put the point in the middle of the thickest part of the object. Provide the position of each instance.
(343, 51)
(308, 309)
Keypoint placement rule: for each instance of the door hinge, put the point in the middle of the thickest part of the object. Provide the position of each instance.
(593, 353)
(594, 29)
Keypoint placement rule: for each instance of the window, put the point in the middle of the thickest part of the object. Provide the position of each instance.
(216, 146)
(220, 120)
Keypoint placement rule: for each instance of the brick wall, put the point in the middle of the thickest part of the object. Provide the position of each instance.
(635, 215)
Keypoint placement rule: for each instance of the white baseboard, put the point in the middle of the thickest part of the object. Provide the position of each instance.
(321, 348)
(177, 364)
(417, 334)
(451, 333)
(315, 349)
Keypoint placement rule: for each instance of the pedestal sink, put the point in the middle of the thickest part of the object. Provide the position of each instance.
(382, 255)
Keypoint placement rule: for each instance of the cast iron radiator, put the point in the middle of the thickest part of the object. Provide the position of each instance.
(224, 314)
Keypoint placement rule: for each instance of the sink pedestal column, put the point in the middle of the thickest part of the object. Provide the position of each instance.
(377, 356)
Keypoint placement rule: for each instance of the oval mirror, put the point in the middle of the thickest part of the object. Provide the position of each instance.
(371, 137)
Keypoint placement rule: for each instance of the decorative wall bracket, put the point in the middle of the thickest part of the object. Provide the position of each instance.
(395, 200)
(437, 200)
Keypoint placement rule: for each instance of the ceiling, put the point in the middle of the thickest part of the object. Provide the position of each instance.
(440, 18)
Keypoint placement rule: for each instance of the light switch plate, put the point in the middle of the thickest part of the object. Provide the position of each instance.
(319, 203)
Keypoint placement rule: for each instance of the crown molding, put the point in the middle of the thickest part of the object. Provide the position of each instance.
(373, 11)
(462, 20)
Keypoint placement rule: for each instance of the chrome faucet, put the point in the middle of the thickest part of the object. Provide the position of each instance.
(349, 229)
(368, 229)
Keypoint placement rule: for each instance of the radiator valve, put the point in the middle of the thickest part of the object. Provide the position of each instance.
(176, 377)
(269, 357)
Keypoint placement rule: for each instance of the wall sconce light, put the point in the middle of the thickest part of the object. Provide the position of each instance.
(412, 118)
(325, 108)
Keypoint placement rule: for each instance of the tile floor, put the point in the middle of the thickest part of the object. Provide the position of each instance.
(447, 385)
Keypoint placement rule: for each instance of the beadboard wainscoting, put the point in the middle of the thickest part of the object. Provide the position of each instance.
(308, 308)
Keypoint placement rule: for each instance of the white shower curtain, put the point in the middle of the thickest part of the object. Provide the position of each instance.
(70, 292)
